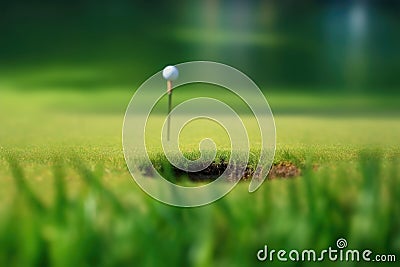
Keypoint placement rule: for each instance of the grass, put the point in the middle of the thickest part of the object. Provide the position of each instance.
(67, 198)
(93, 219)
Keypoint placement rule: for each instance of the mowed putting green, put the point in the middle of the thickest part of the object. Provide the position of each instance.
(39, 123)
(37, 126)
(41, 126)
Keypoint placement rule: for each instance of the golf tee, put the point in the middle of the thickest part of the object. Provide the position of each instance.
(169, 91)
(169, 87)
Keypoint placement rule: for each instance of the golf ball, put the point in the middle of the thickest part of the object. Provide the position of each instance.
(170, 73)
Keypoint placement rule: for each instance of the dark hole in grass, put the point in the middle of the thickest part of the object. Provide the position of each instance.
(212, 172)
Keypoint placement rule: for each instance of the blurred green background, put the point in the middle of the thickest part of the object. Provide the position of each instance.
(329, 70)
(338, 46)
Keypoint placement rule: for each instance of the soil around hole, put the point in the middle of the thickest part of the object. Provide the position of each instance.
(212, 172)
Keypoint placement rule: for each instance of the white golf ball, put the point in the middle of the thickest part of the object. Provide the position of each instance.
(170, 73)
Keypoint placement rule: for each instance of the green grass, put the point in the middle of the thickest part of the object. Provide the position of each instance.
(89, 217)
(67, 198)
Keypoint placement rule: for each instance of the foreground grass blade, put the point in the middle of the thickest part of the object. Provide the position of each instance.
(22, 186)
(60, 197)
(93, 180)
